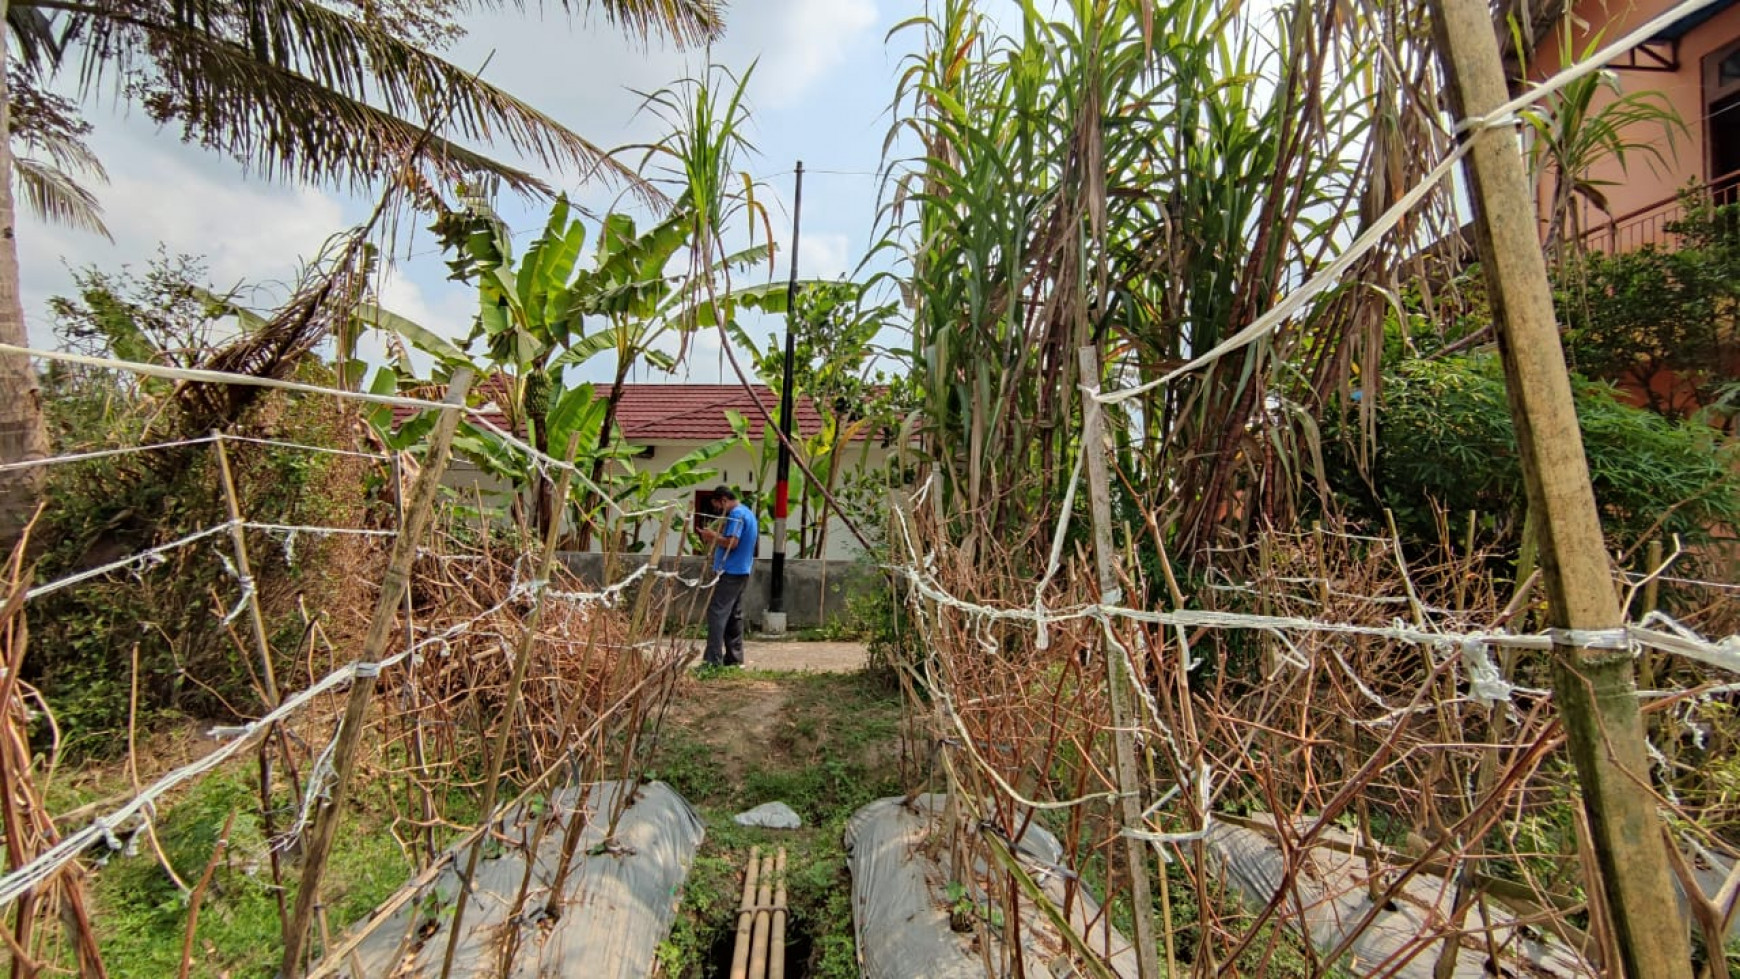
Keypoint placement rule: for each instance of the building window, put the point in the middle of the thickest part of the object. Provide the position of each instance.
(1722, 122)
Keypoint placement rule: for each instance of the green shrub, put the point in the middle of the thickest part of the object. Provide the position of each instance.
(170, 614)
(1445, 440)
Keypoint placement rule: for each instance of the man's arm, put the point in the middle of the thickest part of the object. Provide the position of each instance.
(727, 540)
(728, 537)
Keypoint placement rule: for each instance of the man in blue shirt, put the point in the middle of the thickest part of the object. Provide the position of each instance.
(733, 558)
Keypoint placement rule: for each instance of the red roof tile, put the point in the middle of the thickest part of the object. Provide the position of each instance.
(687, 412)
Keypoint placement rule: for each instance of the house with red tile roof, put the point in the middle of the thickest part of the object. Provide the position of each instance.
(668, 421)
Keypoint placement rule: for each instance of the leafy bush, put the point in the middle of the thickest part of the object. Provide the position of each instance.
(1661, 320)
(1445, 440)
(169, 614)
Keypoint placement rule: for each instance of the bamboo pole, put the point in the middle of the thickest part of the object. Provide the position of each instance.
(1652, 566)
(759, 933)
(776, 948)
(393, 585)
(419, 737)
(244, 568)
(268, 672)
(1592, 670)
(506, 727)
(745, 914)
(1118, 680)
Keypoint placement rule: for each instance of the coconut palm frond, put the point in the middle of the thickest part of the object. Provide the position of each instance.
(57, 198)
(212, 59)
(64, 149)
(684, 21)
(283, 124)
(41, 40)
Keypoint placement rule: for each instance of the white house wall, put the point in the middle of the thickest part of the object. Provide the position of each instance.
(741, 470)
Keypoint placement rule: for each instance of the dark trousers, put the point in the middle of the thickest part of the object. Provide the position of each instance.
(725, 621)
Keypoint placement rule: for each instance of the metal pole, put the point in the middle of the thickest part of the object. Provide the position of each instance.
(782, 471)
(1593, 679)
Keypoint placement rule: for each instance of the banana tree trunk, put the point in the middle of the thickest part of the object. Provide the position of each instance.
(592, 497)
(22, 436)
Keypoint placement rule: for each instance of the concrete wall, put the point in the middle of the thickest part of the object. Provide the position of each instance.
(816, 592)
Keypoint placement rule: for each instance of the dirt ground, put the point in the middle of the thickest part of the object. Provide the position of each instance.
(804, 657)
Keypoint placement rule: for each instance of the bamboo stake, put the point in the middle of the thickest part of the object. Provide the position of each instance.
(1117, 681)
(1593, 688)
(393, 585)
(758, 934)
(1652, 565)
(419, 738)
(776, 949)
(498, 750)
(268, 671)
(740, 950)
(244, 568)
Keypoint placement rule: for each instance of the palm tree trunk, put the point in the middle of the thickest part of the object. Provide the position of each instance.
(22, 436)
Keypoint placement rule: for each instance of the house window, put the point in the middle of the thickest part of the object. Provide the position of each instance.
(704, 512)
(1722, 122)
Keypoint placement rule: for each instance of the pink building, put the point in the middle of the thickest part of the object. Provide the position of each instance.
(1695, 64)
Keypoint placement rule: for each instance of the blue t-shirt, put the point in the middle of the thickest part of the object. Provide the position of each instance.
(739, 523)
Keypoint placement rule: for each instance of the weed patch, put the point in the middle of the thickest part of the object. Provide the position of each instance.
(825, 744)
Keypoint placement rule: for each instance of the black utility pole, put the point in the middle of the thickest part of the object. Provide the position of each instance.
(782, 471)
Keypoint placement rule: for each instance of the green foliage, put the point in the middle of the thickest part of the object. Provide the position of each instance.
(141, 914)
(531, 326)
(170, 613)
(1148, 179)
(1591, 120)
(1660, 319)
(834, 367)
(1445, 440)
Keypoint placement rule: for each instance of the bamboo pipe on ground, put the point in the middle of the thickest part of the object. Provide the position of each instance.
(740, 952)
(763, 921)
(776, 951)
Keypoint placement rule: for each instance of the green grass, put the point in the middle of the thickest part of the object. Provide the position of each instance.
(141, 914)
(832, 747)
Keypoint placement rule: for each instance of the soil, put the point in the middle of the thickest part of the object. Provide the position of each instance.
(805, 657)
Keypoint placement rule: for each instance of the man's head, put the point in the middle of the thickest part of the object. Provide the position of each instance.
(724, 498)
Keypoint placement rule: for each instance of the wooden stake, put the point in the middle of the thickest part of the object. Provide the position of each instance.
(419, 774)
(506, 727)
(393, 585)
(1652, 566)
(268, 672)
(1118, 680)
(1593, 688)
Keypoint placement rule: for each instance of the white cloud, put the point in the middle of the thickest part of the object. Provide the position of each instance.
(825, 255)
(248, 232)
(813, 38)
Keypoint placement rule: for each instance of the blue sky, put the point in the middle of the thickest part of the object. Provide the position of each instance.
(820, 93)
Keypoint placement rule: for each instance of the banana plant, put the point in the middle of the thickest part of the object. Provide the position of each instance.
(641, 307)
(531, 327)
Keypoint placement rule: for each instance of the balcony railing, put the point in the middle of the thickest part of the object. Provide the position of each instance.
(1649, 225)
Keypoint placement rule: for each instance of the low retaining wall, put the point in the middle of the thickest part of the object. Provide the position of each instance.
(816, 592)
